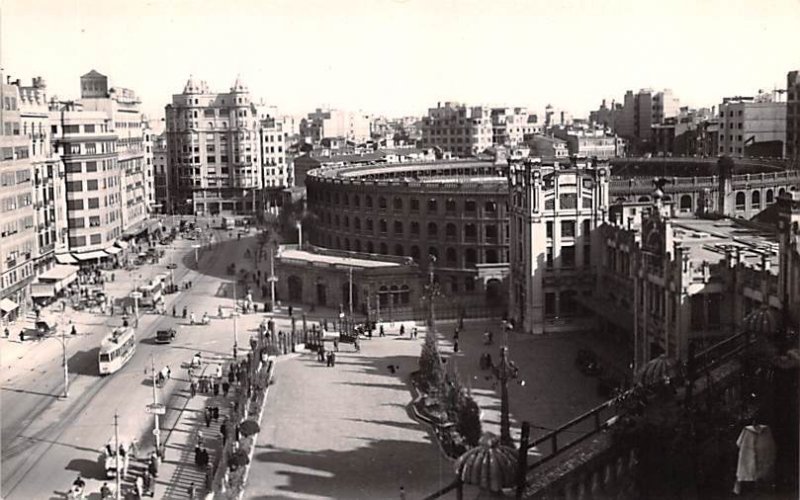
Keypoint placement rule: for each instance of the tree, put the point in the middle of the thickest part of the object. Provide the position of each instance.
(430, 365)
(469, 420)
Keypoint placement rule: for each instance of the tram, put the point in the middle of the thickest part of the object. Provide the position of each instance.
(116, 349)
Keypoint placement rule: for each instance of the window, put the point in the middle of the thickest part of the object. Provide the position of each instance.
(415, 228)
(549, 225)
(93, 203)
(549, 305)
(415, 252)
(74, 186)
(414, 205)
(491, 233)
(490, 207)
(369, 201)
(568, 257)
(89, 129)
(433, 231)
(568, 305)
(470, 232)
(471, 257)
(357, 223)
(450, 232)
(398, 228)
(567, 229)
(755, 199)
(451, 257)
(741, 201)
(369, 225)
(382, 203)
(397, 203)
(450, 206)
(383, 226)
(91, 185)
(568, 201)
(357, 201)
(470, 206)
(91, 166)
(433, 206)
(549, 258)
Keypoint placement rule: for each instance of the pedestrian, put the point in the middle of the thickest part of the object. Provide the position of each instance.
(291, 311)
(237, 433)
(402, 493)
(455, 345)
(381, 332)
(402, 330)
(139, 486)
(333, 359)
(336, 344)
(174, 311)
(414, 332)
(225, 388)
(321, 353)
(197, 451)
(231, 375)
(207, 416)
(153, 465)
(199, 437)
(223, 430)
(169, 372)
(193, 389)
(192, 491)
(7, 332)
(22, 335)
(216, 387)
(455, 335)
(329, 359)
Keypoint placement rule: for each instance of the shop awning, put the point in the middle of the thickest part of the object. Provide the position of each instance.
(42, 290)
(113, 250)
(58, 273)
(121, 244)
(8, 305)
(65, 258)
(97, 254)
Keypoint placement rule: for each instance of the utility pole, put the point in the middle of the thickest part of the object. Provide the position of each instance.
(235, 314)
(64, 351)
(272, 278)
(156, 430)
(117, 478)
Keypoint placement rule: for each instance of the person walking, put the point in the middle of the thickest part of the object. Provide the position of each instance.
(455, 345)
(402, 330)
(191, 491)
(225, 388)
(329, 359)
(74, 331)
(333, 359)
(381, 332)
(207, 416)
(193, 388)
(7, 332)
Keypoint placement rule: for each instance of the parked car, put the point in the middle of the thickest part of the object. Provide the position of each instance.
(172, 265)
(165, 336)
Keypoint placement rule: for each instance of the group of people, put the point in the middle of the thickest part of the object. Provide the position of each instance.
(329, 357)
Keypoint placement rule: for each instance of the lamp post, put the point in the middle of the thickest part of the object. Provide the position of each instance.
(504, 371)
(196, 246)
(136, 296)
(300, 234)
(156, 429)
(272, 279)
(64, 351)
(235, 315)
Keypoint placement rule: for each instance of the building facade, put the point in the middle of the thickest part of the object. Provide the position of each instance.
(333, 123)
(752, 126)
(18, 232)
(161, 177)
(462, 130)
(87, 144)
(555, 208)
(213, 150)
(49, 196)
(122, 106)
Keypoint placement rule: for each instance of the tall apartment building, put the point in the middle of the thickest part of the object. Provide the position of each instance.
(123, 107)
(148, 137)
(330, 123)
(161, 177)
(48, 174)
(752, 126)
(17, 226)
(87, 145)
(793, 117)
(641, 111)
(457, 128)
(213, 150)
(555, 207)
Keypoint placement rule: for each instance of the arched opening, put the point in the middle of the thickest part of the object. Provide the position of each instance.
(357, 245)
(686, 203)
(383, 297)
(781, 191)
(398, 250)
(741, 201)
(755, 199)
(405, 295)
(347, 244)
(398, 228)
(415, 252)
(434, 252)
(491, 256)
(370, 247)
(384, 249)
(770, 196)
(450, 231)
(368, 201)
(433, 230)
(295, 288)
(494, 292)
(644, 198)
(471, 257)
(451, 257)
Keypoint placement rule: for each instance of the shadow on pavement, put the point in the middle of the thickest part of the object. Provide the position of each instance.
(89, 469)
(85, 362)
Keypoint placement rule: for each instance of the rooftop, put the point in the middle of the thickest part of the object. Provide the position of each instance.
(323, 257)
(707, 241)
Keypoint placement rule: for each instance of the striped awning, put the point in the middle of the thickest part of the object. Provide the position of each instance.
(113, 250)
(96, 254)
(121, 244)
(8, 305)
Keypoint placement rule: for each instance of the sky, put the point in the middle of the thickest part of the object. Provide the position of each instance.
(400, 57)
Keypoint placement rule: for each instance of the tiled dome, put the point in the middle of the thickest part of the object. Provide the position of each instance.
(490, 465)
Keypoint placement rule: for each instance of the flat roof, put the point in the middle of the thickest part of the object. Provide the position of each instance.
(336, 260)
(707, 240)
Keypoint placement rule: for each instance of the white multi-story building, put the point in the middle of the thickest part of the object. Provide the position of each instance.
(333, 123)
(459, 129)
(752, 126)
(554, 208)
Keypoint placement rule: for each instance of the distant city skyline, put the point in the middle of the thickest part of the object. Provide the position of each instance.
(400, 57)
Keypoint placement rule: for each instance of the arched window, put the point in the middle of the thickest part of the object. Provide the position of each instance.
(357, 245)
(451, 258)
(415, 229)
(770, 196)
(686, 203)
(368, 199)
(384, 249)
(470, 232)
(471, 257)
(338, 243)
(383, 226)
(357, 223)
(346, 200)
(336, 198)
(346, 222)
(741, 201)
(370, 227)
(347, 244)
(491, 256)
(644, 198)
(415, 252)
(382, 203)
(470, 206)
(433, 231)
(405, 295)
(398, 228)
(370, 247)
(356, 201)
(336, 220)
(397, 203)
(327, 197)
(755, 199)
(781, 191)
(450, 231)
(414, 202)
(450, 206)
(490, 207)
(433, 251)
(398, 250)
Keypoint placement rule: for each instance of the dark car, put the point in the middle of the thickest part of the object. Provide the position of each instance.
(165, 336)
(172, 265)
(587, 363)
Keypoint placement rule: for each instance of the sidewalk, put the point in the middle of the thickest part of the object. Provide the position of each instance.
(178, 470)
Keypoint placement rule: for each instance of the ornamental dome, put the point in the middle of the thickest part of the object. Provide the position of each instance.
(490, 465)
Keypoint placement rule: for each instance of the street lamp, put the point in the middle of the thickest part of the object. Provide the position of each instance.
(196, 246)
(136, 295)
(504, 371)
(272, 279)
(64, 350)
(235, 314)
